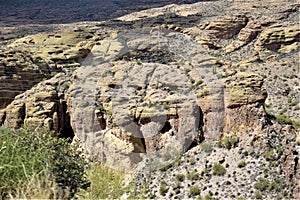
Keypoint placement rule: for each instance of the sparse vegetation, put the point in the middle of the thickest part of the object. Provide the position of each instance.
(192, 175)
(163, 188)
(139, 62)
(180, 177)
(270, 155)
(262, 184)
(283, 119)
(218, 169)
(207, 147)
(105, 183)
(258, 195)
(192, 161)
(241, 164)
(194, 191)
(228, 142)
(208, 197)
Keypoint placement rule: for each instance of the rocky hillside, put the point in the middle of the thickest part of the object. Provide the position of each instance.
(196, 100)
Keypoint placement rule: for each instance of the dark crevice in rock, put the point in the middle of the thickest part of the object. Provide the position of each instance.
(150, 56)
(166, 127)
(296, 165)
(2, 117)
(66, 130)
(22, 113)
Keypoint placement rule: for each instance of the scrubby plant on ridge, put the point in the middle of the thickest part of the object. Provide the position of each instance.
(35, 155)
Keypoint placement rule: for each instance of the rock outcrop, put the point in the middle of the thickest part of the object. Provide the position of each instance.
(283, 39)
(44, 106)
(212, 82)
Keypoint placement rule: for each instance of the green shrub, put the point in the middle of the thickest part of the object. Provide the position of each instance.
(139, 62)
(296, 124)
(26, 154)
(283, 119)
(192, 175)
(207, 147)
(270, 155)
(258, 195)
(228, 142)
(262, 184)
(194, 190)
(241, 164)
(275, 185)
(163, 189)
(208, 197)
(218, 169)
(180, 177)
(192, 161)
(105, 183)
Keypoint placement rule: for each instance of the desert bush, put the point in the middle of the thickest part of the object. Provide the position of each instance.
(207, 147)
(228, 142)
(283, 119)
(262, 184)
(192, 161)
(241, 164)
(28, 155)
(218, 169)
(105, 183)
(269, 155)
(163, 188)
(180, 177)
(258, 195)
(192, 175)
(194, 191)
(207, 197)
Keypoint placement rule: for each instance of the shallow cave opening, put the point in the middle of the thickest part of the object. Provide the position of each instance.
(66, 130)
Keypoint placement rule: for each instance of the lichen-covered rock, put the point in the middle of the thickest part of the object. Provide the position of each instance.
(227, 27)
(152, 85)
(283, 39)
(57, 47)
(246, 35)
(232, 105)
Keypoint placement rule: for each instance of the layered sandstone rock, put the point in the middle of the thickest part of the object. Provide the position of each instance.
(156, 83)
(43, 107)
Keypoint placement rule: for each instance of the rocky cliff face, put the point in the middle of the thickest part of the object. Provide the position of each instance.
(217, 81)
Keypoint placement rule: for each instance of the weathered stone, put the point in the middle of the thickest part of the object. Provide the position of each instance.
(227, 27)
(277, 38)
(43, 106)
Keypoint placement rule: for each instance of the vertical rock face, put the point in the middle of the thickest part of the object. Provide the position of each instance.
(244, 102)
(233, 105)
(134, 109)
(43, 106)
